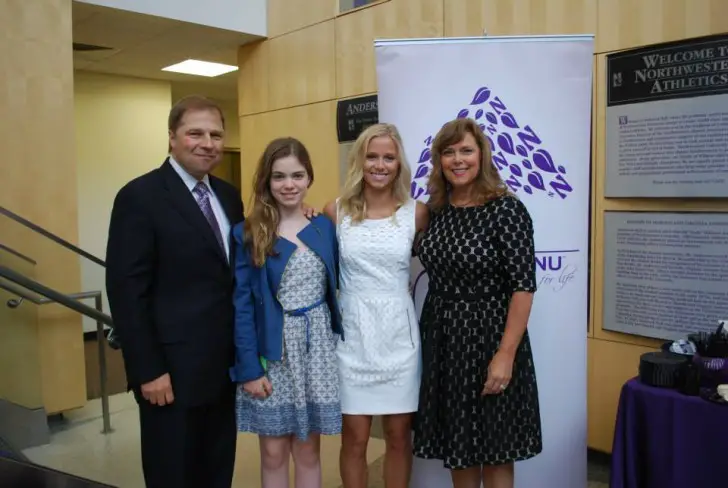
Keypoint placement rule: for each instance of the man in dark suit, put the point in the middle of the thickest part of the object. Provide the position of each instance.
(169, 282)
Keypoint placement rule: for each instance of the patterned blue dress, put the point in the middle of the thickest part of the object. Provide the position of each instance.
(305, 398)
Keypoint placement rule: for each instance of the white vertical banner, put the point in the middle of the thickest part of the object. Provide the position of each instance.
(532, 97)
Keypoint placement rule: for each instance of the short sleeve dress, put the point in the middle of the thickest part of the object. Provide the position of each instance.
(475, 258)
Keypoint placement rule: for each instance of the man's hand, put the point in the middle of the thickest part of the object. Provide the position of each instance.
(159, 392)
(309, 212)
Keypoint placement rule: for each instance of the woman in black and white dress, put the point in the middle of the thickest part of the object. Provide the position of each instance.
(478, 408)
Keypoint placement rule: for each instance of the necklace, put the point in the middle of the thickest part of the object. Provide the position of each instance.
(467, 203)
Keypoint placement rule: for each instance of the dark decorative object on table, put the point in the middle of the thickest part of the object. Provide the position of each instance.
(711, 357)
(713, 397)
(662, 368)
(688, 381)
(713, 345)
(687, 376)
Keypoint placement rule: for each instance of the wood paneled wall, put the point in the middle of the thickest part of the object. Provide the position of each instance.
(519, 17)
(39, 182)
(314, 124)
(356, 32)
(289, 84)
(630, 23)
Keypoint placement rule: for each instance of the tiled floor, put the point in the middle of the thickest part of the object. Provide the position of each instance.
(78, 447)
(598, 475)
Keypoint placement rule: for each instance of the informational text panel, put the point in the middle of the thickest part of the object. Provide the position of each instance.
(667, 120)
(665, 274)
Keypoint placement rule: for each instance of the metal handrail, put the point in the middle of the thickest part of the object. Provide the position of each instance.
(112, 338)
(58, 240)
(18, 254)
(54, 295)
(47, 296)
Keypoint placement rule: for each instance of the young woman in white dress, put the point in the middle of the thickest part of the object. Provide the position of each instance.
(379, 360)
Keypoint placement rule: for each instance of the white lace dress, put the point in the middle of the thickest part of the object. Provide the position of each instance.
(379, 360)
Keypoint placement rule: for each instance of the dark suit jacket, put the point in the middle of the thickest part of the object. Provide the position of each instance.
(170, 286)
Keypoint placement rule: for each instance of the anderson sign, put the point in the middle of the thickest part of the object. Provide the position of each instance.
(353, 115)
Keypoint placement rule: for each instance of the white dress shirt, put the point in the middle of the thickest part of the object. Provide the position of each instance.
(222, 220)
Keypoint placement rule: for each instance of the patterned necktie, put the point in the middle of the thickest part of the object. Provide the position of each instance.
(203, 200)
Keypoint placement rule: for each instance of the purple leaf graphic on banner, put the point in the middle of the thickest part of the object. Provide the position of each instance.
(517, 149)
(505, 142)
(542, 159)
(536, 180)
(421, 171)
(481, 96)
(509, 121)
(424, 156)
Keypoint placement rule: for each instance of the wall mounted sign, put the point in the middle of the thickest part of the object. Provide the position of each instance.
(353, 115)
(667, 120)
(665, 273)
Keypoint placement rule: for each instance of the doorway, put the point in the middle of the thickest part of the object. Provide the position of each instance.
(229, 168)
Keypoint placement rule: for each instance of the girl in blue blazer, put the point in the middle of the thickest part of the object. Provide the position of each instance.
(287, 319)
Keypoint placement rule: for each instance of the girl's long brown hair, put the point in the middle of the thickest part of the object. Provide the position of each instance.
(488, 185)
(261, 226)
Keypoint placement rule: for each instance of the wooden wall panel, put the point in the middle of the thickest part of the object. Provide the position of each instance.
(255, 133)
(356, 32)
(315, 126)
(39, 178)
(628, 23)
(286, 16)
(253, 78)
(115, 374)
(610, 365)
(517, 17)
(302, 67)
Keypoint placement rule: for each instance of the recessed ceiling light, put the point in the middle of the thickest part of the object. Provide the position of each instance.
(200, 68)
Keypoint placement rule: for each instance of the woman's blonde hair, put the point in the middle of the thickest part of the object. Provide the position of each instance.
(488, 185)
(352, 200)
(261, 226)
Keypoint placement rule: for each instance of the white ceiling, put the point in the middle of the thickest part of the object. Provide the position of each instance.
(141, 45)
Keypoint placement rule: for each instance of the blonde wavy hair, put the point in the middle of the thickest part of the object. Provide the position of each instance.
(261, 226)
(488, 184)
(352, 201)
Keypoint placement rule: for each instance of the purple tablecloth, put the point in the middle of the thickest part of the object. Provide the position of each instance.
(663, 439)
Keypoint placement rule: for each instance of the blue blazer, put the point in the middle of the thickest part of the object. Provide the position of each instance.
(258, 313)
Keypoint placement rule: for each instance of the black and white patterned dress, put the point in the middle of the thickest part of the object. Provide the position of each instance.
(305, 398)
(475, 257)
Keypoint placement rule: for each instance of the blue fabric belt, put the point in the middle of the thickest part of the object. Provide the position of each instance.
(303, 312)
